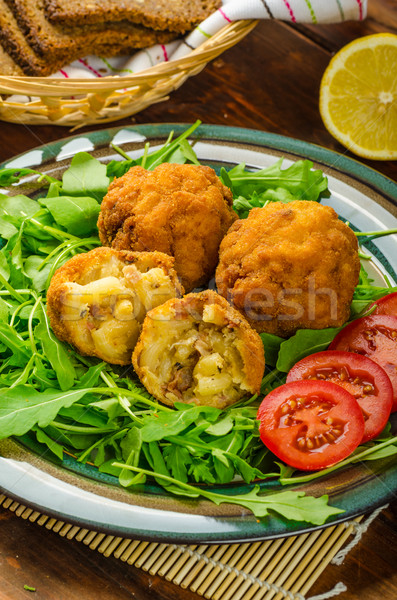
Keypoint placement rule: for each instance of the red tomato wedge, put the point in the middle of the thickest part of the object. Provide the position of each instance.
(375, 337)
(386, 305)
(310, 424)
(360, 376)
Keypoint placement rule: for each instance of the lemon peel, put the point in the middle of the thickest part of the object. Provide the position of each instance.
(358, 96)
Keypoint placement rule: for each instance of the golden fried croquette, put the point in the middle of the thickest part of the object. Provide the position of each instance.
(199, 350)
(97, 300)
(181, 210)
(289, 266)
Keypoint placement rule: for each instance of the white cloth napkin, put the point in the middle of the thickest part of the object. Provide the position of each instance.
(295, 11)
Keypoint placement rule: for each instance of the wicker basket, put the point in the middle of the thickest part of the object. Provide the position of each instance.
(79, 102)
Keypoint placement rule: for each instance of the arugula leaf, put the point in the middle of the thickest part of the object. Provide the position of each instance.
(4, 268)
(80, 413)
(177, 460)
(7, 229)
(39, 226)
(256, 188)
(222, 426)
(11, 175)
(51, 444)
(107, 467)
(4, 311)
(157, 462)
(18, 207)
(184, 153)
(382, 453)
(131, 448)
(22, 407)
(166, 152)
(178, 150)
(165, 424)
(285, 470)
(13, 341)
(224, 468)
(272, 345)
(225, 457)
(249, 472)
(56, 353)
(86, 176)
(38, 276)
(242, 205)
(362, 453)
(292, 505)
(303, 343)
(365, 293)
(78, 214)
(91, 377)
(200, 471)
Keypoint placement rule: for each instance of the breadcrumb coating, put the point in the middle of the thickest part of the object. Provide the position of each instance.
(181, 210)
(199, 350)
(97, 300)
(290, 266)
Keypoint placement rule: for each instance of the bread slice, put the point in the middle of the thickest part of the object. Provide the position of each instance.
(66, 43)
(175, 15)
(15, 44)
(7, 65)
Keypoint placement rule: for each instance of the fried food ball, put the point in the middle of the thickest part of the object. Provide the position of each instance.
(181, 210)
(199, 350)
(289, 266)
(97, 300)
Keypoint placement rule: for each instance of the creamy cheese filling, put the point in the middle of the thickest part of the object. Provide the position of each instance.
(192, 361)
(104, 310)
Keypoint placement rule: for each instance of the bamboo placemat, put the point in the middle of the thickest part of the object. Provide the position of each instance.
(268, 570)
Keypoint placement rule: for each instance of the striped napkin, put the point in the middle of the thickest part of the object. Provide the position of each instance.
(295, 11)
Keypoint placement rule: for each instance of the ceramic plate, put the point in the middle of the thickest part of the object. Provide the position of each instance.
(78, 493)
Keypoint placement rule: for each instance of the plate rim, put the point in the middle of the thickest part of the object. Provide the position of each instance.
(353, 169)
(347, 165)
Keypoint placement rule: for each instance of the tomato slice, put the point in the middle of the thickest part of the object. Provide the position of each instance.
(360, 376)
(386, 305)
(375, 337)
(310, 424)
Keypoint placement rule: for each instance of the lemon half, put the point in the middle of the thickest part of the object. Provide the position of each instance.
(358, 96)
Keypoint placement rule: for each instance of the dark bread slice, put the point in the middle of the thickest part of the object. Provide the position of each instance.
(175, 15)
(7, 65)
(59, 42)
(15, 44)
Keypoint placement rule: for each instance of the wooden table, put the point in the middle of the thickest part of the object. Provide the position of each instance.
(270, 81)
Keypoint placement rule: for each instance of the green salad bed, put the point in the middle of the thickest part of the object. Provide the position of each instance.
(102, 414)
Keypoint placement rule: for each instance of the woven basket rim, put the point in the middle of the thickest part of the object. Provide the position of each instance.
(80, 102)
(220, 41)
